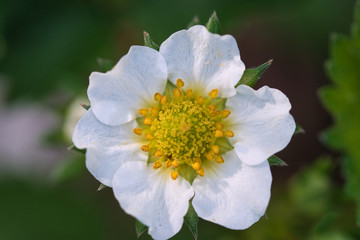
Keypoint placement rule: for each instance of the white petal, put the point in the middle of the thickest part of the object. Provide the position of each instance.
(107, 147)
(203, 60)
(233, 194)
(116, 96)
(261, 122)
(153, 197)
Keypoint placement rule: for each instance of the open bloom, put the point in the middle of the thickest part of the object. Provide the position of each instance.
(166, 127)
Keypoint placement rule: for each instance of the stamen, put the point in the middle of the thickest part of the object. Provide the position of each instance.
(148, 121)
(225, 113)
(163, 100)
(143, 111)
(200, 100)
(157, 96)
(218, 126)
(196, 166)
(189, 93)
(157, 165)
(154, 111)
(201, 172)
(219, 133)
(174, 175)
(213, 93)
(211, 107)
(158, 153)
(168, 163)
(229, 133)
(209, 156)
(215, 149)
(219, 159)
(175, 163)
(137, 131)
(145, 148)
(149, 136)
(179, 83)
(197, 160)
(177, 93)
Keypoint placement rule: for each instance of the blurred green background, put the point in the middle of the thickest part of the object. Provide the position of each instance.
(49, 48)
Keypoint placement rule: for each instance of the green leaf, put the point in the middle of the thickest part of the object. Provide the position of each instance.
(252, 75)
(194, 21)
(105, 64)
(149, 42)
(213, 25)
(299, 129)
(101, 187)
(69, 170)
(191, 219)
(342, 100)
(140, 228)
(72, 147)
(275, 161)
(86, 107)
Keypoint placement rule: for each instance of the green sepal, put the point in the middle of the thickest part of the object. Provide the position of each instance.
(140, 228)
(191, 219)
(194, 21)
(72, 147)
(275, 161)
(187, 173)
(148, 42)
(224, 145)
(169, 90)
(105, 64)
(299, 129)
(101, 187)
(252, 75)
(213, 25)
(86, 107)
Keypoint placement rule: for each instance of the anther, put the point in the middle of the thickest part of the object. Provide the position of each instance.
(157, 96)
(229, 133)
(200, 100)
(145, 148)
(212, 107)
(213, 93)
(197, 160)
(163, 100)
(137, 131)
(148, 121)
(179, 83)
(196, 166)
(225, 113)
(157, 165)
(149, 136)
(168, 163)
(143, 111)
(209, 156)
(201, 172)
(154, 111)
(215, 113)
(158, 153)
(219, 159)
(218, 125)
(219, 133)
(174, 175)
(177, 93)
(189, 93)
(215, 149)
(175, 163)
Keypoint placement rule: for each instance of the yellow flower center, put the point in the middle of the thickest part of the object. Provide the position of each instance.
(183, 131)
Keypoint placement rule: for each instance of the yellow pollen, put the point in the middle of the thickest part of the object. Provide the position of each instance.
(219, 159)
(200, 100)
(157, 165)
(148, 121)
(211, 107)
(218, 126)
(177, 93)
(219, 133)
(137, 131)
(145, 148)
(215, 149)
(196, 166)
(213, 93)
(179, 83)
(209, 156)
(149, 136)
(197, 160)
(175, 164)
(143, 111)
(229, 133)
(158, 154)
(168, 163)
(201, 172)
(157, 96)
(215, 113)
(174, 175)
(163, 100)
(189, 93)
(154, 111)
(225, 113)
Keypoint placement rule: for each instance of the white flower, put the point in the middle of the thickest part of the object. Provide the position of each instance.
(182, 146)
